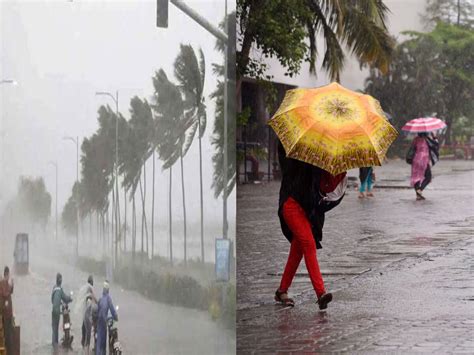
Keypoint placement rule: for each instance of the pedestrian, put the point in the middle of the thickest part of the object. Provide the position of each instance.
(367, 178)
(105, 305)
(57, 296)
(424, 153)
(306, 193)
(6, 291)
(89, 301)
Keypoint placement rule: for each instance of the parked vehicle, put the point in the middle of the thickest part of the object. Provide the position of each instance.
(21, 254)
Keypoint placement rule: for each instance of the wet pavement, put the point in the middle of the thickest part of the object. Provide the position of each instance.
(144, 327)
(401, 270)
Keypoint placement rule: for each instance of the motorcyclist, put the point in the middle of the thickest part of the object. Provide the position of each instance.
(89, 302)
(57, 296)
(105, 305)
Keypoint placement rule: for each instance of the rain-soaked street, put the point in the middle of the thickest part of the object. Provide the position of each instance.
(145, 326)
(400, 270)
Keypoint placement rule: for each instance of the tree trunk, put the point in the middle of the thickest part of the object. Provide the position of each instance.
(244, 54)
(153, 209)
(200, 190)
(112, 224)
(125, 220)
(144, 224)
(144, 207)
(134, 229)
(184, 208)
(170, 217)
(119, 225)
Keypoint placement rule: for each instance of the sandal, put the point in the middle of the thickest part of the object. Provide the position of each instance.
(282, 297)
(361, 195)
(324, 300)
(419, 196)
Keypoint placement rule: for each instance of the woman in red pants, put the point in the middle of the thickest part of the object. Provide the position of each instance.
(306, 193)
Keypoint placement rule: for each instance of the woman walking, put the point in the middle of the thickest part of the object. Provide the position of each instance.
(322, 133)
(426, 154)
(366, 176)
(306, 193)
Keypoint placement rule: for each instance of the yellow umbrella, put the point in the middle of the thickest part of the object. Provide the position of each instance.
(333, 128)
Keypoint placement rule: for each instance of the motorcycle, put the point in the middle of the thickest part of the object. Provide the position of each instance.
(115, 348)
(66, 341)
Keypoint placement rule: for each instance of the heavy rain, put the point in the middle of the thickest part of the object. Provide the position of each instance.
(111, 166)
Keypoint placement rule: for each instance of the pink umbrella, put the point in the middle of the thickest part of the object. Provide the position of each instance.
(427, 124)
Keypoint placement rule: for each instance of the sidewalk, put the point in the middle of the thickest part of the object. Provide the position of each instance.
(375, 255)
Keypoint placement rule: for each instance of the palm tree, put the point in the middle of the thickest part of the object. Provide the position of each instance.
(358, 24)
(137, 150)
(169, 112)
(190, 74)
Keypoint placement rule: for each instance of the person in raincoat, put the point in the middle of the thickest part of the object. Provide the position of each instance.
(57, 296)
(306, 194)
(88, 302)
(426, 154)
(366, 176)
(105, 305)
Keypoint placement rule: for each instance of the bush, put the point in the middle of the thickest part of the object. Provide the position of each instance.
(218, 299)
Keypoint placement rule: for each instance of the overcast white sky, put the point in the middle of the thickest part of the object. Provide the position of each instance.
(62, 52)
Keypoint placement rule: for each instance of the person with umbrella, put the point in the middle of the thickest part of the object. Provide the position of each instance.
(423, 152)
(323, 133)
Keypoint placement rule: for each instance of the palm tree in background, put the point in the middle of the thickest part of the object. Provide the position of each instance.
(190, 74)
(169, 110)
(137, 150)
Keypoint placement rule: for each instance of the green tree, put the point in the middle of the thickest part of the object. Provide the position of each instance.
(190, 74)
(288, 31)
(459, 12)
(431, 74)
(69, 213)
(32, 204)
(169, 109)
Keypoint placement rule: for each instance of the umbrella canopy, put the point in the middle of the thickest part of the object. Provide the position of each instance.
(333, 128)
(424, 125)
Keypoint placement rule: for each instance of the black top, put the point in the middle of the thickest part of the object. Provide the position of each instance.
(301, 181)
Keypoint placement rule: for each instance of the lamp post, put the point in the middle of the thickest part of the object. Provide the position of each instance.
(115, 209)
(55, 164)
(76, 140)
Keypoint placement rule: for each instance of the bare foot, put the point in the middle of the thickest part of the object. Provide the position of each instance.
(361, 195)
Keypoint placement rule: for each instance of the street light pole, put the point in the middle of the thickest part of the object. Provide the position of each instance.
(76, 140)
(225, 224)
(55, 164)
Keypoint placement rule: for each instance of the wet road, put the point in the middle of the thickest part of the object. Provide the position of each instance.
(401, 270)
(145, 327)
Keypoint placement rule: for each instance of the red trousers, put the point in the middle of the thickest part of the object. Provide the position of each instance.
(302, 244)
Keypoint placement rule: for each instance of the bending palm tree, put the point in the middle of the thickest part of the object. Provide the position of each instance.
(190, 74)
